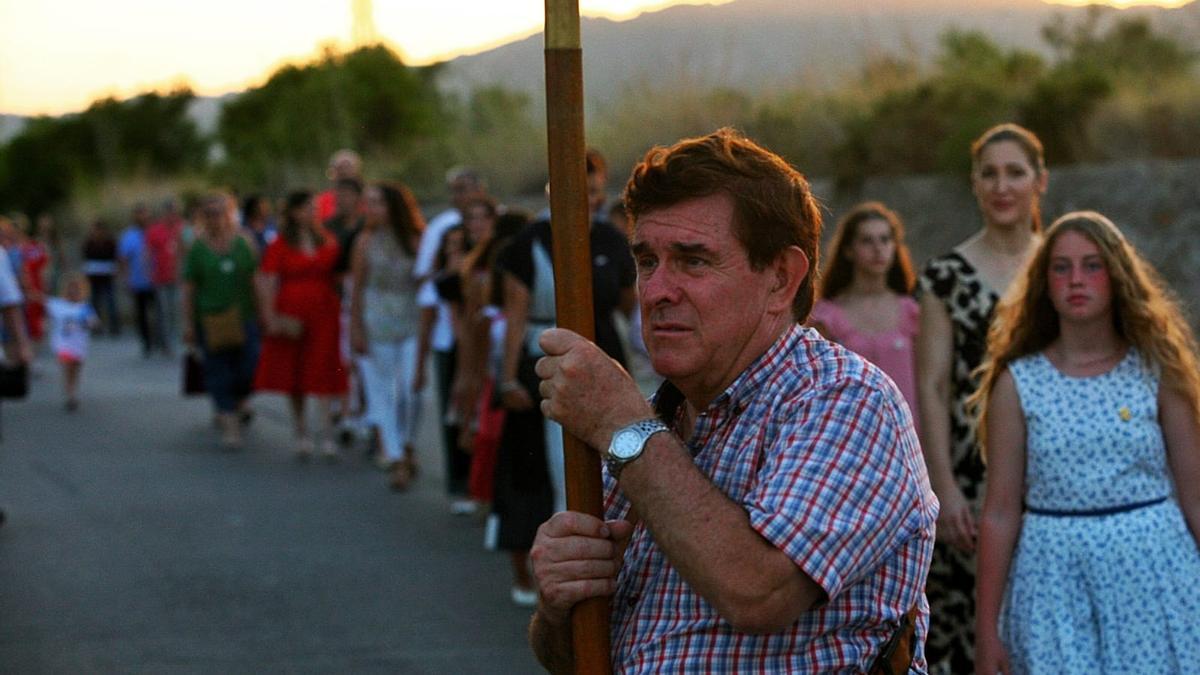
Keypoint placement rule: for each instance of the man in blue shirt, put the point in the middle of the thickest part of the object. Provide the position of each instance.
(133, 259)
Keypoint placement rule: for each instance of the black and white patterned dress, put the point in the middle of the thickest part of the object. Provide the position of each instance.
(969, 302)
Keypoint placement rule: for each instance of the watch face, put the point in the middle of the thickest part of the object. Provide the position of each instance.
(626, 444)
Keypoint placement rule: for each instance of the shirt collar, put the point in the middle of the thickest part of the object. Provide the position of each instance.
(668, 398)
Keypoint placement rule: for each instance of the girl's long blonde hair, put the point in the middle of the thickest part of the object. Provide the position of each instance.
(1145, 314)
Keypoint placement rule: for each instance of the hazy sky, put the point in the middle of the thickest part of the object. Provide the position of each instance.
(59, 55)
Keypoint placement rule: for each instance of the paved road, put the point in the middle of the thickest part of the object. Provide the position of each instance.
(134, 545)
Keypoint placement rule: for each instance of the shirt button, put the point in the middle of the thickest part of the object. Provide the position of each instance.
(631, 601)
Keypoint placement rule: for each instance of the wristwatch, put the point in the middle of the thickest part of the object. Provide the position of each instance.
(628, 442)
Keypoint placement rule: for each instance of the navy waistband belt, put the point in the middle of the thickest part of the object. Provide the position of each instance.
(1094, 512)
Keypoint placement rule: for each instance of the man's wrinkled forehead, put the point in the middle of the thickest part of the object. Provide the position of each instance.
(680, 248)
(700, 224)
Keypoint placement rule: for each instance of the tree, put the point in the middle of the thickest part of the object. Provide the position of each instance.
(52, 158)
(925, 123)
(284, 131)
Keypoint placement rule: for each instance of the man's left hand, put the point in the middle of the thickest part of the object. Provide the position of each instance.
(586, 391)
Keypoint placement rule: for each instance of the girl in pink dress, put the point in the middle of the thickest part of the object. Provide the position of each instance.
(865, 300)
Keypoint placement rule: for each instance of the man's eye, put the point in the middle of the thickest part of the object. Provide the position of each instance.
(695, 262)
(646, 263)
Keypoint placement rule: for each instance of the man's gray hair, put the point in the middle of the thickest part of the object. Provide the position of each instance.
(464, 173)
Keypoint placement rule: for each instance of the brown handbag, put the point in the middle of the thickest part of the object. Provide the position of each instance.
(223, 330)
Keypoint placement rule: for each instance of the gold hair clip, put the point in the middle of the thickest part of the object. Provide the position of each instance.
(1125, 414)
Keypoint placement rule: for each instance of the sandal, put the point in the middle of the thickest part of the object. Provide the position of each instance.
(401, 475)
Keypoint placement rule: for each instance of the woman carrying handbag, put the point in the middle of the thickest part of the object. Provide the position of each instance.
(218, 299)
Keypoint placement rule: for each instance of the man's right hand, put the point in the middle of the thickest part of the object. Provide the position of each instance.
(576, 557)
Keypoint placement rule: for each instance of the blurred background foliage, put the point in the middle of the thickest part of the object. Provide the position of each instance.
(1111, 91)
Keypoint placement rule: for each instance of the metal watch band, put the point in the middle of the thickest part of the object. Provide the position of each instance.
(644, 429)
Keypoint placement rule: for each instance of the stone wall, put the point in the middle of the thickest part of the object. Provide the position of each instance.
(1156, 203)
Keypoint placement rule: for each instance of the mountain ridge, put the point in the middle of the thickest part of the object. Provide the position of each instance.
(762, 43)
(750, 44)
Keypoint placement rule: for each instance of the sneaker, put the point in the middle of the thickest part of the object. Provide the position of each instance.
(329, 451)
(524, 597)
(463, 507)
(231, 432)
(304, 449)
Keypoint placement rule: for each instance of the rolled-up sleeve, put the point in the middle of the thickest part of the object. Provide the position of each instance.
(834, 492)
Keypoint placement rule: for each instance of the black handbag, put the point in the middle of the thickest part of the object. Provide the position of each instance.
(14, 380)
(193, 374)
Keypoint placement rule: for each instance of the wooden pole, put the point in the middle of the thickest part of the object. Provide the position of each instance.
(571, 225)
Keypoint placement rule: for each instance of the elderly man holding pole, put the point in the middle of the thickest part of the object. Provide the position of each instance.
(769, 511)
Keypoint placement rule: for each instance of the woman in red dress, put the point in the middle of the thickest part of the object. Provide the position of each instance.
(35, 260)
(300, 307)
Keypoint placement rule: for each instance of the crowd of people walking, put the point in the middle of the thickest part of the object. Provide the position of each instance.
(1051, 378)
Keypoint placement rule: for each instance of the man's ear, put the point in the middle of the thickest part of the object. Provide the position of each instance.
(791, 267)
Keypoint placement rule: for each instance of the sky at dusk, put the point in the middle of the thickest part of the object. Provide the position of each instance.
(59, 55)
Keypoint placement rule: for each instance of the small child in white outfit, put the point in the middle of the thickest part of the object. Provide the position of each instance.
(71, 322)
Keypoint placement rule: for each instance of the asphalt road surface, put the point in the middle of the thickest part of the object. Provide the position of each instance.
(133, 544)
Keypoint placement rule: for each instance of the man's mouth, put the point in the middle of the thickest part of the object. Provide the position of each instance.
(669, 328)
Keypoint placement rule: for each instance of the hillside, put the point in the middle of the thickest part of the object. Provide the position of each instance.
(750, 44)
(10, 125)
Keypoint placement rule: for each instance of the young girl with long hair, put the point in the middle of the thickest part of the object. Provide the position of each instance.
(384, 319)
(481, 343)
(1090, 400)
(865, 302)
(957, 293)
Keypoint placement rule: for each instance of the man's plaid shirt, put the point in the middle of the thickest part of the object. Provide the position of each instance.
(818, 447)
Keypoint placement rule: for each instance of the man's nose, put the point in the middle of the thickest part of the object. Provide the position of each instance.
(657, 287)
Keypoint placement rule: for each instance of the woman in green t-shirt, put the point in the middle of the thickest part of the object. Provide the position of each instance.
(218, 299)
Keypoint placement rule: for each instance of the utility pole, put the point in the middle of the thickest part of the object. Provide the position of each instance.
(362, 32)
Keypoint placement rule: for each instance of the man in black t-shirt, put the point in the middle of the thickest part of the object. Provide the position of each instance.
(613, 275)
(347, 221)
(529, 478)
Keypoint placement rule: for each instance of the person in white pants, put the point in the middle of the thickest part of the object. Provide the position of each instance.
(384, 323)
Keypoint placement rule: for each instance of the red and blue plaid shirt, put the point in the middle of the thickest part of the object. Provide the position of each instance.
(818, 447)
